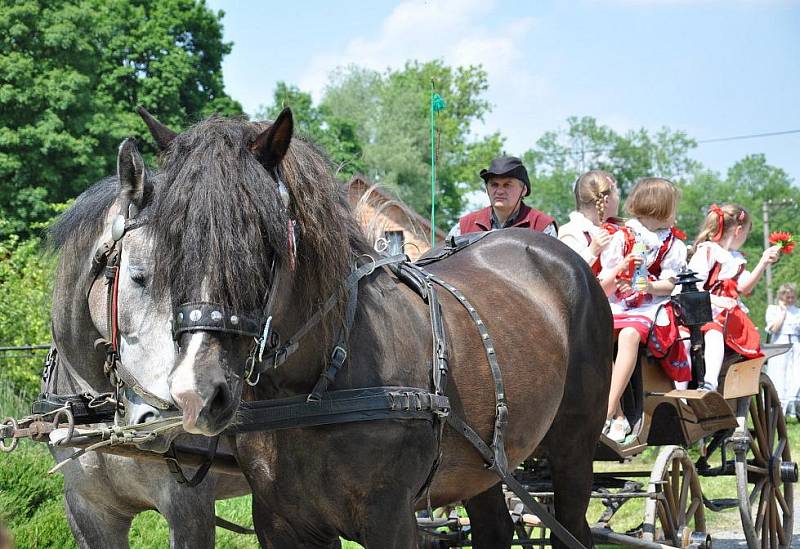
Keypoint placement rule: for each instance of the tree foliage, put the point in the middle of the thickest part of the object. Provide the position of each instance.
(378, 123)
(560, 156)
(337, 136)
(71, 74)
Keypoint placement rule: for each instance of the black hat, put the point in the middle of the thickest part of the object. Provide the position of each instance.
(509, 166)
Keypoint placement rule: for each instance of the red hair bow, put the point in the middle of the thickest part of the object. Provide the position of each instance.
(720, 222)
(677, 233)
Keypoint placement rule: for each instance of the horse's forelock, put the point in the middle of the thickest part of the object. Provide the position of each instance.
(219, 219)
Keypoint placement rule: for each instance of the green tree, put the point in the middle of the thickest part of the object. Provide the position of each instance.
(390, 111)
(560, 156)
(71, 74)
(337, 136)
(25, 289)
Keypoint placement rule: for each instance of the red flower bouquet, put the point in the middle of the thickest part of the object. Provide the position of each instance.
(784, 240)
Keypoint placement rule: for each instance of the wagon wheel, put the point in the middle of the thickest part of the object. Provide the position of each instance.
(765, 471)
(676, 516)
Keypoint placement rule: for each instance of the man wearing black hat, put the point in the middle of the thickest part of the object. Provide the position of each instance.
(506, 184)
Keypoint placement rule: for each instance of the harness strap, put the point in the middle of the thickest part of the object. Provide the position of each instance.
(452, 245)
(175, 468)
(513, 484)
(232, 526)
(278, 356)
(495, 455)
(210, 317)
(418, 280)
(486, 339)
(86, 408)
(339, 354)
(340, 406)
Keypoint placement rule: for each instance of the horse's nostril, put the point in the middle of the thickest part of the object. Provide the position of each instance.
(221, 399)
(144, 418)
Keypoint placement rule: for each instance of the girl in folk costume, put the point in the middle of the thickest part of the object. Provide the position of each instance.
(590, 227)
(641, 302)
(717, 261)
(783, 322)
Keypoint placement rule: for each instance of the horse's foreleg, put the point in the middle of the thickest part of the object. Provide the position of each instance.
(570, 452)
(190, 514)
(96, 526)
(390, 522)
(489, 519)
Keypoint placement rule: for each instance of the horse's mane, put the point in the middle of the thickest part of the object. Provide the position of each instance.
(75, 231)
(218, 219)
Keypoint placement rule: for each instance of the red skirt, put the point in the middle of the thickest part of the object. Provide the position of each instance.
(663, 342)
(739, 332)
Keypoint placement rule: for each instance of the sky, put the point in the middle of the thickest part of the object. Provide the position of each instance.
(712, 68)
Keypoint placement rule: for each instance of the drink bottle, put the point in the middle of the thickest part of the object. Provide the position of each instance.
(640, 274)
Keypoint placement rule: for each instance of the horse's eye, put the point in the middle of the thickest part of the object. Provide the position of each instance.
(138, 278)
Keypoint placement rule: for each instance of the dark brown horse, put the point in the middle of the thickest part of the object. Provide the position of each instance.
(220, 222)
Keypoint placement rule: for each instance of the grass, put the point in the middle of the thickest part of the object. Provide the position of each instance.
(31, 502)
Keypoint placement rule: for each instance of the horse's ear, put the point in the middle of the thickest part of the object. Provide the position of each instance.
(271, 145)
(163, 135)
(132, 177)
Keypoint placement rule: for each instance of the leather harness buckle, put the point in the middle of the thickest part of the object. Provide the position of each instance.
(338, 356)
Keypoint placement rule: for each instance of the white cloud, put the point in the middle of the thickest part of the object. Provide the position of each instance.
(416, 29)
(457, 32)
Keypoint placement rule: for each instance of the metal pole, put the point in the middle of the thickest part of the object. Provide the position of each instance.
(765, 212)
(433, 168)
(24, 348)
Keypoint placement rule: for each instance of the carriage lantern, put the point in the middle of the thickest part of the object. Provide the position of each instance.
(693, 310)
(692, 306)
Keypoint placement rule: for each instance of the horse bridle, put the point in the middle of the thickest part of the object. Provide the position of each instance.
(107, 259)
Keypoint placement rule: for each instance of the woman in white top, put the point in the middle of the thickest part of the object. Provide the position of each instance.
(783, 322)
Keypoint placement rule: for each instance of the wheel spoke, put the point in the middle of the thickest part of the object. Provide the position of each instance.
(773, 523)
(787, 511)
(762, 507)
(773, 429)
(669, 510)
(666, 524)
(759, 426)
(692, 510)
(675, 485)
(756, 450)
(682, 518)
(764, 521)
(757, 488)
(758, 470)
(779, 450)
(778, 522)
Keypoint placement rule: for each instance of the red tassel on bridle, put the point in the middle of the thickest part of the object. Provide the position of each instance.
(720, 222)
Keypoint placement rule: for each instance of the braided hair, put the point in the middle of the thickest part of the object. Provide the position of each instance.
(592, 188)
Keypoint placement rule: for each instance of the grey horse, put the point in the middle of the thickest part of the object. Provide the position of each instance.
(104, 492)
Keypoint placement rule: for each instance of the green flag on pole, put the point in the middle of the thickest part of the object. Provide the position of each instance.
(437, 104)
